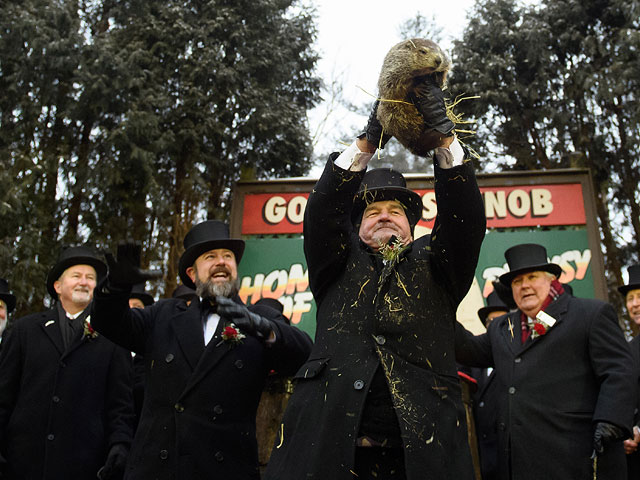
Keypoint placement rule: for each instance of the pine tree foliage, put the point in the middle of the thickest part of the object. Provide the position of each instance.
(134, 120)
(558, 83)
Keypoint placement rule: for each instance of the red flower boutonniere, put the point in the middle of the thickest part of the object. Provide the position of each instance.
(89, 332)
(538, 329)
(231, 334)
(541, 325)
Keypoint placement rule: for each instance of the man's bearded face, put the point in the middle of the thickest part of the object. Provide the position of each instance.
(75, 285)
(215, 273)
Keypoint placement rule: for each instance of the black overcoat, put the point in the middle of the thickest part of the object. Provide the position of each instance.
(485, 414)
(633, 460)
(554, 389)
(199, 409)
(60, 412)
(401, 314)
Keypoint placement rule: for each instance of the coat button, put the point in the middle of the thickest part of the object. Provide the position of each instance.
(179, 407)
(164, 454)
(218, 456)
(481, 404)
(512, 390)
(358, 384)
(169, 358)
(56, 399)
(239, 364)
(51, 436)
(502, 426)
(217, 409)
(518, 360)
(380, 340)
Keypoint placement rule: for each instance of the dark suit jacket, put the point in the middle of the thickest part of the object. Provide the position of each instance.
(554, 389)
(400, 315)
(199, 410)
(633, 460)
(485, 411)
(60, 412)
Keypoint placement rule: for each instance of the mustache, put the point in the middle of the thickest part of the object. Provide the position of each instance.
(219, 270)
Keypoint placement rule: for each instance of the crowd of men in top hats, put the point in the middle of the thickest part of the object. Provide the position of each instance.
(377, 395)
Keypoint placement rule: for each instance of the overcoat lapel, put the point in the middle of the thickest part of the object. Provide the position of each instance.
(50, 326)
(512, 331)
(187, 326)
(213, 353)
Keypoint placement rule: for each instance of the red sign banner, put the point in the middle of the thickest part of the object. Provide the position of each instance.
(505, 207)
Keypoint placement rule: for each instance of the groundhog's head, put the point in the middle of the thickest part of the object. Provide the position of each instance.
(414, 58)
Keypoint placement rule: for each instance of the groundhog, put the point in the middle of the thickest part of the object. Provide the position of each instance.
(404, 66)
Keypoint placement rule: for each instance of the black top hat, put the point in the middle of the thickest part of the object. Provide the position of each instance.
(137, 291)
(271, 302)
(634, 280)
(527, 257)
(75, 255)
(184, 292)
(203, 237)
(382, 184)
(494, 304)
(6, 296)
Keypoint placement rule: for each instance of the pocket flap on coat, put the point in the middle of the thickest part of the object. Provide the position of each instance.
(312, 368)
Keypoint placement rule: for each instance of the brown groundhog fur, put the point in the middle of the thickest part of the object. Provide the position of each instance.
(403, 67)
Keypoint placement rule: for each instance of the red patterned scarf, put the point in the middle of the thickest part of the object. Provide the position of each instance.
(554, 292)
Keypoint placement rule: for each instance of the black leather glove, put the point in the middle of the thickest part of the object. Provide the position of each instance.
(429, 100)
(604, 434)
(125, 271)
(374, 131)
(249, 322)
(114, 466)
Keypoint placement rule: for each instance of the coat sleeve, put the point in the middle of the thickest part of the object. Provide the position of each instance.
(459, 227)
(10, 374)
(327, 224)
(613, 366)
(292, 346)
(119, 402)
(124, 326)
(472, 350)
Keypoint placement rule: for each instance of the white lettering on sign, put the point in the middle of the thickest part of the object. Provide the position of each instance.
(518, 203)
(574, 264)
(498, 204)
(429, 207)
(290, 288)
(276, 209)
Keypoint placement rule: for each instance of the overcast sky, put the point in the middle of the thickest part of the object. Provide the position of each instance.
(354, 37)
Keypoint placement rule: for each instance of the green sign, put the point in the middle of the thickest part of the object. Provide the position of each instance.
(275, 267)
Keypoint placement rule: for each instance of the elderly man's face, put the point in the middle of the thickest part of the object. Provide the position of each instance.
(215, 273)
(530, 290)
(633, 305)
(382, 220)
(75, 285)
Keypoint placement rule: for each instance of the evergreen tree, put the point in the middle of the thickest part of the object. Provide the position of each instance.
(558, 85)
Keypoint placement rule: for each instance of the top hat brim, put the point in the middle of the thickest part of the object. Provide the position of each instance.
(59, 268)
(410, 200)
(144, 297)
(10, 300)
(190, 255)
(484, 312)
(624, 289)
(553, 268)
